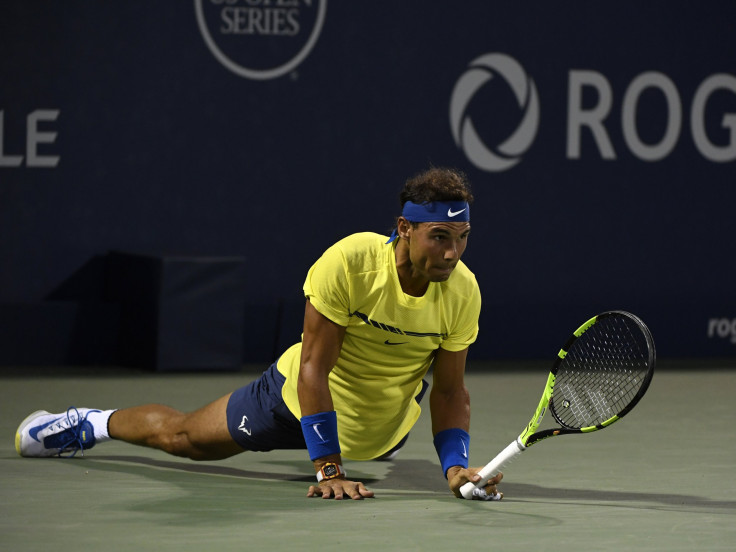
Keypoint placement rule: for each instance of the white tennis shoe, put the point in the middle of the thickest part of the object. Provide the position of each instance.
(44, 434)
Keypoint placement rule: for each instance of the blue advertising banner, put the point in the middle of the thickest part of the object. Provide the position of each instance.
(600, 140)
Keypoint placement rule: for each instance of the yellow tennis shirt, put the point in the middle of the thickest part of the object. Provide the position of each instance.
(389, 342)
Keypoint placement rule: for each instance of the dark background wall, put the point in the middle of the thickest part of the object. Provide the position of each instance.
(266, 130)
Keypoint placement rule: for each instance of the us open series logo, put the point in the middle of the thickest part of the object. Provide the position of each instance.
(260, 39)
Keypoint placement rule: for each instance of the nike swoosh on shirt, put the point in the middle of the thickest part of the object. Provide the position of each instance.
(34, 431)
(387, 342)
(451, 213)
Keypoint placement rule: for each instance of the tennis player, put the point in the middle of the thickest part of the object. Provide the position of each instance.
(379, 312)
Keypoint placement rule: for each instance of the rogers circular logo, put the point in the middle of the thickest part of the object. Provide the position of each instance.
(260, 39)
(481, 72)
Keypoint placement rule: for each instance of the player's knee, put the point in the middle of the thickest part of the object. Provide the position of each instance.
(179, 435)
(177, 444)
(182, 442)
(167, 433)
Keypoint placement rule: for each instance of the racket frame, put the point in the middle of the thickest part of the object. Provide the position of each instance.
(530, 435)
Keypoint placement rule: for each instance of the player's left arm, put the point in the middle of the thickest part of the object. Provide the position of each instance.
(449, 399)
(449, 402)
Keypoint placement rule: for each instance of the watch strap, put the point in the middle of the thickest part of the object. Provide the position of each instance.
(329, 471)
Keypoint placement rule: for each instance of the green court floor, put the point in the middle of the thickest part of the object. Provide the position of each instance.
(661, 479)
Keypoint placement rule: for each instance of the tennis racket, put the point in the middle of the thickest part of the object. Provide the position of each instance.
(597, 378)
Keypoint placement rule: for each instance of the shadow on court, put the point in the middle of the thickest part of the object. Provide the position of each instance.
(658, 480)
(406, 475)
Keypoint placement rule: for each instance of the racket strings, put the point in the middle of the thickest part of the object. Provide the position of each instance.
(601, 374)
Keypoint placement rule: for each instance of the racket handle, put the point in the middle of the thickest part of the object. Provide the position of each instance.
(491, 469)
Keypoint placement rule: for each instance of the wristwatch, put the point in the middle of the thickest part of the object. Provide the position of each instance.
(330, 471)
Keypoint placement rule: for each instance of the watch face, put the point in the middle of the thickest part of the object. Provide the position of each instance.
(330, 470)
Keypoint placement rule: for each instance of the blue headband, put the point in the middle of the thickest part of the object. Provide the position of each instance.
(437, 211)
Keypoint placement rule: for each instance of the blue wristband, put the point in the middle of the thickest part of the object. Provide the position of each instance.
(320, 434)
(452, 447)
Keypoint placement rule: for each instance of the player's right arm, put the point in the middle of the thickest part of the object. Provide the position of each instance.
(321, 344)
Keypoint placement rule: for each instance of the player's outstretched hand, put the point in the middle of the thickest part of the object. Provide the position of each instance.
(457, 477)
(339, 489)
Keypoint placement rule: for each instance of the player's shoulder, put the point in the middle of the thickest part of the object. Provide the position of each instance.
(363, 251)
(462, 282)
(362, 241)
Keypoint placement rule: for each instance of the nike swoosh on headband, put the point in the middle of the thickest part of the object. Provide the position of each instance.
(451, 213)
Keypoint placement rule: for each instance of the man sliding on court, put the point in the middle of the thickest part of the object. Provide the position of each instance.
(378, 314)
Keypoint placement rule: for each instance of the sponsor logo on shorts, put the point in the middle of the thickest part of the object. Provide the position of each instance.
(242, 427)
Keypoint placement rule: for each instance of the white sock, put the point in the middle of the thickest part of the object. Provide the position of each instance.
(99, 421)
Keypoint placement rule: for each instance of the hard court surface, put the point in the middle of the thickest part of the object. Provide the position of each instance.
(660, 479)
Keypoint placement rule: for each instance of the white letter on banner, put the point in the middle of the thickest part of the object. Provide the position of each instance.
(7, 160)
(697, 119)
(674, 116)
(35, 137)
(592, 118)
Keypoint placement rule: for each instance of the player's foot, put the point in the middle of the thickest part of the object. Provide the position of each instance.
(387, 457)
(394, 452)
(45, 434)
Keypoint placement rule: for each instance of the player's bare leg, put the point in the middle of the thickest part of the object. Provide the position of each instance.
(199, 435)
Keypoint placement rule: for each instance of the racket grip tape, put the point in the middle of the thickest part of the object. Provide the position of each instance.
(489, 470)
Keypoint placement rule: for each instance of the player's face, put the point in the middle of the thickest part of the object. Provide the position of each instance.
(436, 247)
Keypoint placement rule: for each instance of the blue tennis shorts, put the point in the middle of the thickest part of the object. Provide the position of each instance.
(258, 418)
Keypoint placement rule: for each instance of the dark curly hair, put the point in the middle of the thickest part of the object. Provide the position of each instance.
(436, 184)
